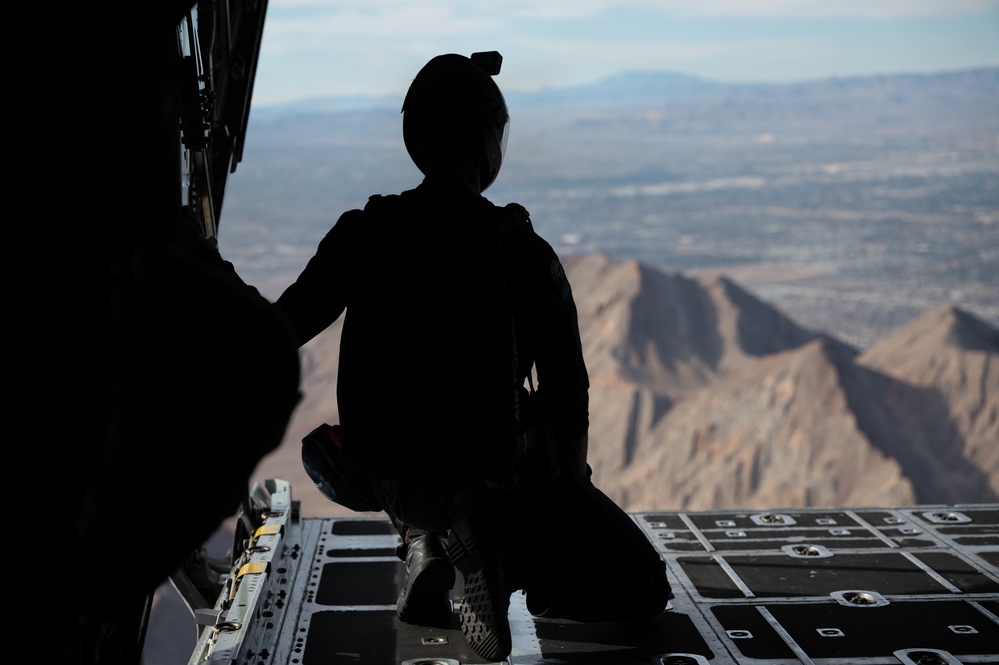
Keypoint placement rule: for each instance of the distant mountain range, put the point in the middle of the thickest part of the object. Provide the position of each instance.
(657, 88)
(703, 396)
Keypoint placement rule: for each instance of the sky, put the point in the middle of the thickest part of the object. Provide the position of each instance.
(321, 48)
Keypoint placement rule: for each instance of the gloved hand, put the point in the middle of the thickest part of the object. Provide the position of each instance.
(321, 459)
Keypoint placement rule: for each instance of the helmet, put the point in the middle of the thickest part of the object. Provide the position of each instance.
(454, 109)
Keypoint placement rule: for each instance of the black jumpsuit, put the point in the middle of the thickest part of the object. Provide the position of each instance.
(413, 272)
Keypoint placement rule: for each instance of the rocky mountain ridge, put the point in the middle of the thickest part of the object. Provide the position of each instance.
(703, 396)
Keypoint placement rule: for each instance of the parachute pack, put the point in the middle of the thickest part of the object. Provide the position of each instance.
(435, 393)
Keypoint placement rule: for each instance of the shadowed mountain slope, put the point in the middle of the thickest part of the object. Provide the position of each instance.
(945, 395)
(780, 433)
(671, 332)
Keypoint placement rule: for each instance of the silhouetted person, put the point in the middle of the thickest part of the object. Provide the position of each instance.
(160, 378)
(431, 368)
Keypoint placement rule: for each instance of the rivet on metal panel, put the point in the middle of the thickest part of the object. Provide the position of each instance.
(771, 519)
(925, 657)
(944, 518)
(806, 550)
(431, 661)
(437, 639)
(860, 598)
(682, 659)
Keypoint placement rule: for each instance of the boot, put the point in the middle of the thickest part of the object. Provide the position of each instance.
(484, 620)
(425, 598)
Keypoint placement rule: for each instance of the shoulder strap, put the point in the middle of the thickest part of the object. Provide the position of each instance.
(514, 215)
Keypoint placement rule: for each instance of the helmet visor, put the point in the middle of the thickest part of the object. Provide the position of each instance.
(495, 145)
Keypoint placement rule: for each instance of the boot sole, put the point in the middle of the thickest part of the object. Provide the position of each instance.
(484, 609)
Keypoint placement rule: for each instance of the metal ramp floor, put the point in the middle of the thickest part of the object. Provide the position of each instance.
(844, 586)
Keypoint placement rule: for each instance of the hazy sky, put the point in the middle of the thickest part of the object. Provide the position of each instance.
(315, 48)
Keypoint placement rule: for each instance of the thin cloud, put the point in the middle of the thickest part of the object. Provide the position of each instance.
(410, 22)
(390, 10)
(290, 21)
(374, 46)
(771, 9)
